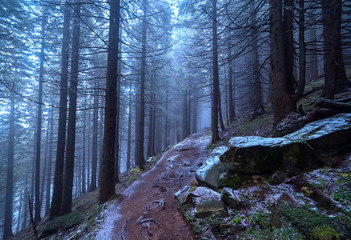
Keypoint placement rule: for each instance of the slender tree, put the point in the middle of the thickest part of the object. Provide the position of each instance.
(10, 164)
(215, 78)
(61, 138)
(107, 188)
(72, 119)
(139, 145)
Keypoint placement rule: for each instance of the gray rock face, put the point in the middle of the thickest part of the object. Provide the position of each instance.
(258, 155)
(294, 153)
(328, 137)
(205, 200)
(209, 173)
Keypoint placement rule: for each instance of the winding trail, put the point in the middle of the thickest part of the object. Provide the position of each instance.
(148, 209)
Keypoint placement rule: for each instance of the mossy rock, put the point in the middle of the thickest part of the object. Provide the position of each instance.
(324, 232)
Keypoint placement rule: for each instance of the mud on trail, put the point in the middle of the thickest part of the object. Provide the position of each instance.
(147, 209)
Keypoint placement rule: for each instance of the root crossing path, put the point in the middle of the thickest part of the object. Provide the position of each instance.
(148, 209)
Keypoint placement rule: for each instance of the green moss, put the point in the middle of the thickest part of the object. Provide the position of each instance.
(234, 181)
(324, 233)
(286, 233)
(262, 122)
(302, 219)
(64, 222)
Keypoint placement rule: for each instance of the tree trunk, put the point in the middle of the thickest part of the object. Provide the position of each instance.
(118, 103)
(220, 114)
(314, 57)
(107, 187)
(94, 153)
(72, 117)
(139, 146)
(302, 46)
(215, 83)
(46, 159)
(288, 35)
(281, 100)
(9, 181)
(258, 108)
(129, 143)
(230, 85)
(61, 138)
(334, 69)
(166, 119)
(84, 147)
(49, 171)
(37, 204)
(185, 114)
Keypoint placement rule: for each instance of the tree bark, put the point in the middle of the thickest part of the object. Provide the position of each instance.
(302, 46)
(230, 85)
(84, 147)
(107, 187)
(288, 35)
(258, 108)
(129, 143)
(94, 153)
(61, 138)
(215, 83)
(72, 116)
(281, 100)
(334, 69)
(139, 146)
(37, 204)
(9, 181)
(49, 171)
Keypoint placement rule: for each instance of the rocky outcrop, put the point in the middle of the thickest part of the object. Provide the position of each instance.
(328, 137)
(290, 124)
(259, 155)
(210, 172)
(294, 153)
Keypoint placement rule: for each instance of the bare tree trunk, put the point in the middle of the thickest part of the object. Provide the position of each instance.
(94, 158)
(84, 147)
(39, 122)
(9, 180)
(314, 59)
(334, 69)
(288, 33)
(258, 108)
(129, 143)
(61, 139)
(215, 92)
(230, 85)
(107, 187)
(49, 171)
(72, 116)
(220, 114)
(139, 146)
(116, 173)
(166, 119)
(281, 100)
(302, 46)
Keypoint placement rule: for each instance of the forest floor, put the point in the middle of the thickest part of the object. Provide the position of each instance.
(148, 209)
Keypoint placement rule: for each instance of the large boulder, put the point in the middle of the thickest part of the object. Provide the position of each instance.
(294, 153)
(259, 155)
(328, 137)
(212, 169)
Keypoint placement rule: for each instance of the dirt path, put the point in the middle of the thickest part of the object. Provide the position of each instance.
(148, 209)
